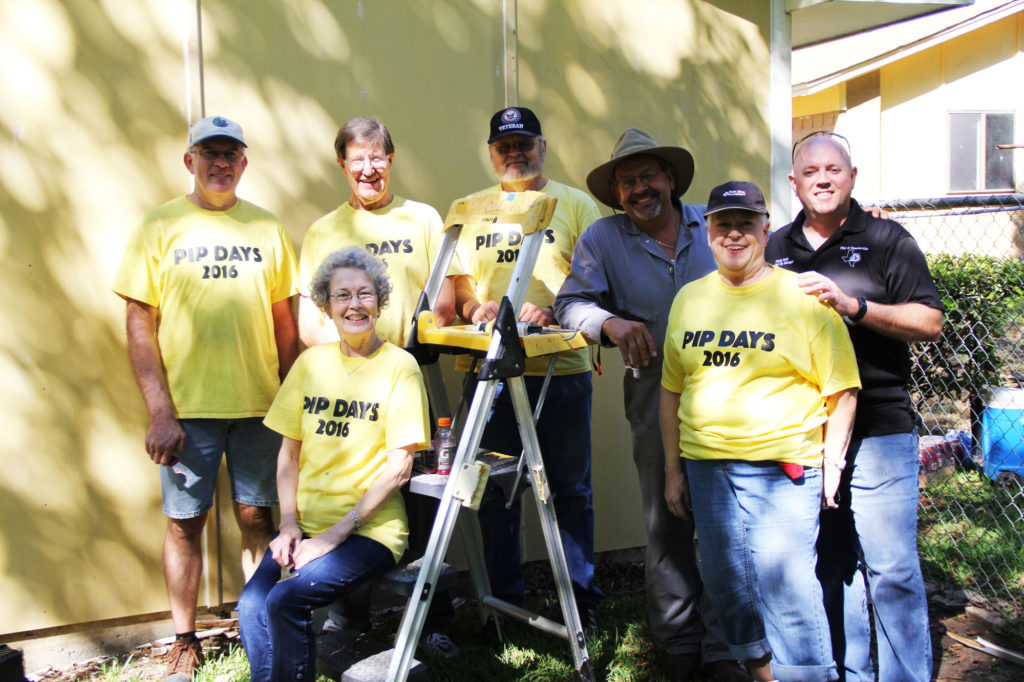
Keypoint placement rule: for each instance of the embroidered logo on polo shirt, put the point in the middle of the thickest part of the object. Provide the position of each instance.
(852, 254)
(783, 261)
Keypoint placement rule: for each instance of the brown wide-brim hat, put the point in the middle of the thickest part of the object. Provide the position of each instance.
(635, 142)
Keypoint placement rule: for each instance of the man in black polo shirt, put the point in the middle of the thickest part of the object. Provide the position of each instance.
(871, 271)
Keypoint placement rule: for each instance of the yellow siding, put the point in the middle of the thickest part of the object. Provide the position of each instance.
(978, 49)
(93, 117)
(830, 99)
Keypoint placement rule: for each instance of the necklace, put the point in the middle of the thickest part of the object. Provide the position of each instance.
(347, 364)
(670, 247)
(358, 360)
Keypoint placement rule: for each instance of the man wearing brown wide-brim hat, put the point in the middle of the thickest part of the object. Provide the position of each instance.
(632, 143)
(626, 270)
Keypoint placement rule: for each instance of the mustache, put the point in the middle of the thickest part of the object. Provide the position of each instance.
(643, 195)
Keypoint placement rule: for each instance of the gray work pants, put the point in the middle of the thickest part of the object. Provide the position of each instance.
(680, 615)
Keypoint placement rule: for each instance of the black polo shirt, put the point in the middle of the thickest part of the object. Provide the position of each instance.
(879, 260)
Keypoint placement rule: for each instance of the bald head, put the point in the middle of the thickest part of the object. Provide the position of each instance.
(823, 179)
(819, 140)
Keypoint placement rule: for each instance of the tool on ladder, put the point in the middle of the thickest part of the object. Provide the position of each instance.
(503, 347)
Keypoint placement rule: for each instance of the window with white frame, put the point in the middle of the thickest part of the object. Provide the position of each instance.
(975, 165)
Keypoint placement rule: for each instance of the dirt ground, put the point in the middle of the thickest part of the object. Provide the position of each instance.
(959, 662)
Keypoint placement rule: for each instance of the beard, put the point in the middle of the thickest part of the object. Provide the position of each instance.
(520, 174)
(645, 212)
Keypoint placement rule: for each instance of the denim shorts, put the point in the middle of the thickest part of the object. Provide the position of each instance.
(251, 450)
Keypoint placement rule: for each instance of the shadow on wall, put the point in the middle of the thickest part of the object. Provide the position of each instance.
(93, 115)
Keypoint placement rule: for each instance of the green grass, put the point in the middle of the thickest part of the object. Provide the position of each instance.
(971, 534)
(623, 650)
(115, 671)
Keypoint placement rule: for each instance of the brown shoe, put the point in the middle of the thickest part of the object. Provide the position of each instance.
(725, 671)
(182, 660)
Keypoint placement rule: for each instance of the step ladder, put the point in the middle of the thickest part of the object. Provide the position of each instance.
(503, 347)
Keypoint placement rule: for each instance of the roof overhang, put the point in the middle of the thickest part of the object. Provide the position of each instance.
(815, 21)
(824, 65)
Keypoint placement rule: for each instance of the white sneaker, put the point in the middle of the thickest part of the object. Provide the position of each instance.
(439, 645)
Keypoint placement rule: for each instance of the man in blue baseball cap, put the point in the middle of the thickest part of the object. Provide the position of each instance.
(208, 280)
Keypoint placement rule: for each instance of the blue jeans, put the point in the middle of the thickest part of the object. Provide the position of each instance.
(757, 529)
(275, 616)
(874, 533)
(564, 435)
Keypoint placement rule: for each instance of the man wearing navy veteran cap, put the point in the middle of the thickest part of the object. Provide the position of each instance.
(758, 389)
(625, 272)
(208, 280)
(488, 253)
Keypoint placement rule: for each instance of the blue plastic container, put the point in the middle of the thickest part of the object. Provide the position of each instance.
(1002, 432)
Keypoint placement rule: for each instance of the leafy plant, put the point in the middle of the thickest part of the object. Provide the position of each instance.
(981, 295)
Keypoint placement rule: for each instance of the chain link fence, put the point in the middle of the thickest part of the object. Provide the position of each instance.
(969, 391)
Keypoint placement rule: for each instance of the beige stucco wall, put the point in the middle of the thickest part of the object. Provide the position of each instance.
(94, 105)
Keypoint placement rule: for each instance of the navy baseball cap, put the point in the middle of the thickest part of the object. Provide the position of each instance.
(736, 194)
(514, 121)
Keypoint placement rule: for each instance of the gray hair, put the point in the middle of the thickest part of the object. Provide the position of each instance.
(363, 129)
(350, 257)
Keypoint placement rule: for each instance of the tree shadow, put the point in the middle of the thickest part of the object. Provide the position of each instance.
(93, 115)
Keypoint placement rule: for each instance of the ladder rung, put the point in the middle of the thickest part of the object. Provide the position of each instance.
(529, 617)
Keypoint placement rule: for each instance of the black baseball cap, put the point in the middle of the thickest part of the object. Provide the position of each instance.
(736, 194)
(514, 121)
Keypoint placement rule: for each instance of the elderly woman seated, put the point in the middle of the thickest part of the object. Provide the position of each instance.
(352, 414)
(759, 388)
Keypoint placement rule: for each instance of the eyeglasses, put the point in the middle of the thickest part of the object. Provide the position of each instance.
(377, 162)
(364, 296)
(626, 184)
(230, 155)
(506, 148)
(845, 143)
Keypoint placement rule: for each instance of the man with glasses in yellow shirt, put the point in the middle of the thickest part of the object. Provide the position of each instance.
(405, 233)
(208, 279)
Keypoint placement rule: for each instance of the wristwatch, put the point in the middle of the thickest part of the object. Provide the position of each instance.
(862, 310)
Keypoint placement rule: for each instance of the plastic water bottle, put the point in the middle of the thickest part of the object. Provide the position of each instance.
(444, 445)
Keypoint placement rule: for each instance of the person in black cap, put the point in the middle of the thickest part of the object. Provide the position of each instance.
(488, 253)
(626, 270)
(759, 386)
(871, 271)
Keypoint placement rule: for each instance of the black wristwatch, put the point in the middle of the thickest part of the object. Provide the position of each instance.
(862, 310)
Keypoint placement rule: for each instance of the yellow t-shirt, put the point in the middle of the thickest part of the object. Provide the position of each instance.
(348, 413)
(406, 234)
(753, 366)
(213, 275)
(489, 252)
